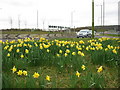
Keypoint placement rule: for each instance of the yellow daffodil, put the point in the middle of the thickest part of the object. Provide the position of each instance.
(25, 73)
(14, 69)
(58, 55)
(17, 50)
(48, 50)
(79, 48)
(100, 69)
(6, 47)
(22, 56)
(10, 49)
(19, 72)
(114, 51)
(77, 74)
(71, 45)
(15, 45)
(106, 49)
(36, 75)
(26, 51)
(41, 47)
(67, 51)
(82, 54)
(73, 53)
(60, 51)
(81, 42)
(65, 54)
(67, 46)
(46, 46)
(24, 44)
(79, 52)
(48, 78)
(8, 54)
(83, 67)
(30, 46)
(87, 48)
(63, 45)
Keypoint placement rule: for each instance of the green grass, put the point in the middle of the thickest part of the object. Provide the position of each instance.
(62, 80)
(114, 35)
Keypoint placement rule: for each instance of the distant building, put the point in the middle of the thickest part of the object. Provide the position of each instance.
(57, 28)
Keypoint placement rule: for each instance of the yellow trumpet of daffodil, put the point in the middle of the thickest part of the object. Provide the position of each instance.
(36, 75)
(87, 48)
(106, 49)
(58, 55)
(82, 54)
(65, 54)
(6, 47)
(25, 73)
(81, 42)
(60, 51)
(22, 56)
(8, 54)
(46, 46)
(48, 78)
(14, 69)
(100, 69)
(79, 48)
(19, 72)
(71, 45)
(77, 74)
(26, 51)
(83, 67)
(114, 51)
(79, 52)
(67, 51)
(67, 46)
(73, 53)
(18, 50)
(10, 49)
(48, 50)
(41, 47)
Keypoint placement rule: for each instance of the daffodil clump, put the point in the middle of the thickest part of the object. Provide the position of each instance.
(19, 72)
(60, 53)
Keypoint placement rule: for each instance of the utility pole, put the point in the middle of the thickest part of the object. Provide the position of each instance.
(92, 18)
(103, 12)
(103, 15)
(19, 21)
(72, 19)
(11, 22)
(37, 19)
(118, 18)
(43, 25)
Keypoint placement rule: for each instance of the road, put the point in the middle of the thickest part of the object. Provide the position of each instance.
(47, 36)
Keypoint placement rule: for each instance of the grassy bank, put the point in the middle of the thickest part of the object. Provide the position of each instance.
(63, 63)
(113, 35)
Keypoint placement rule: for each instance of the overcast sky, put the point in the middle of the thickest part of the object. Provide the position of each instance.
(55, 12)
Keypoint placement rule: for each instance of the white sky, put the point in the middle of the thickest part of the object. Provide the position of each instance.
(56, 12)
